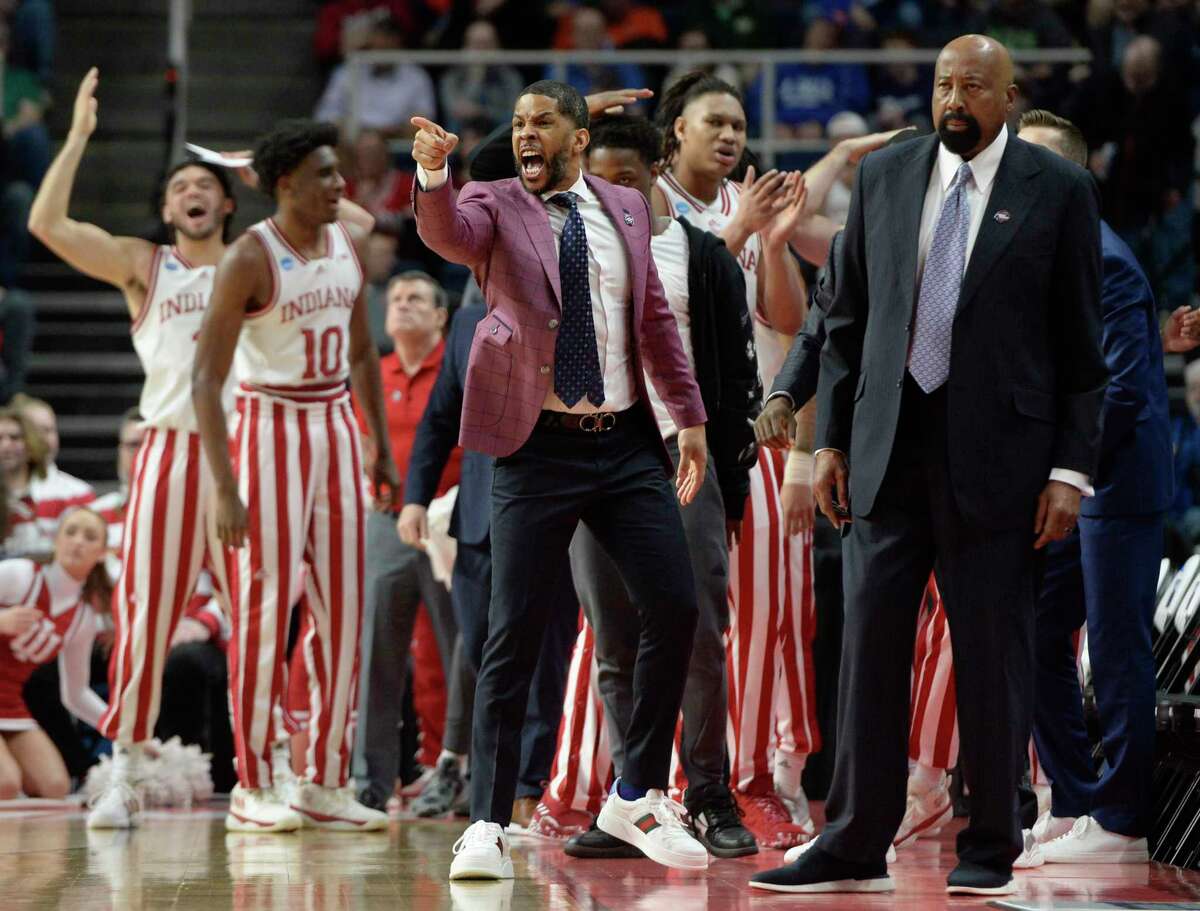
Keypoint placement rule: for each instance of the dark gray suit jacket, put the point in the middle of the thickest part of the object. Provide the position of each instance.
(1027, 375)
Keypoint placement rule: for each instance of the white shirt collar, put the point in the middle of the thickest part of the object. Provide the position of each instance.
(983, 166)
(579, 188)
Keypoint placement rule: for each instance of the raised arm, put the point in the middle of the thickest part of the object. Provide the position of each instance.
(121, 261)
(783, 297)
(242, 279)
(364, 377)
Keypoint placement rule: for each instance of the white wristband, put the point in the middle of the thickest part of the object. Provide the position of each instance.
(799, 467)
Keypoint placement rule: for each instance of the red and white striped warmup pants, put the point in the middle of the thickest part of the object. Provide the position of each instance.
(299, 470)
(162, 550)
(772, 704)
(933, 736)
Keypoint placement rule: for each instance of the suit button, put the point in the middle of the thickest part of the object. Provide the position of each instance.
(544, 369)
(900, 383)
(553, 324)
(495, 329)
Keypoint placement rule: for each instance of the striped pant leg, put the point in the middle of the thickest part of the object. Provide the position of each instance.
(933, 736)
(275, 462)
(162, 551)
(582, 758)
(796, 724)
(756, 592)
(333, 586)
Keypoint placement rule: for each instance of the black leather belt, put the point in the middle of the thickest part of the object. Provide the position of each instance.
(598, 422)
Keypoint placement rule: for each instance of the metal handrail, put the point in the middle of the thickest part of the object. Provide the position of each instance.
(767, 146)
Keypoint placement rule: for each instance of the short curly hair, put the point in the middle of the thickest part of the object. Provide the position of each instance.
(280, 151)
(627, 131)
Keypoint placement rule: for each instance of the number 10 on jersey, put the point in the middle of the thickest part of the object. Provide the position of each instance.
(323, 357)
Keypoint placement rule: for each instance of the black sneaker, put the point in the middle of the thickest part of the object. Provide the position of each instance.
(441, 790)
(817, 871)
(972, 879)
(597, 844)
(717, 821)
(372, 797)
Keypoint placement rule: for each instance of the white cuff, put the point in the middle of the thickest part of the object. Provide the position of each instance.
(782, 395)
(430, 180)
(1075, 479)
(817, 452)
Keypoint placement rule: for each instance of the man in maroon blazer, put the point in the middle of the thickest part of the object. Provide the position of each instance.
(555, 391)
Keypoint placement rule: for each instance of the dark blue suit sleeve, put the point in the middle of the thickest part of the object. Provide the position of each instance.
(800, 372)
(1125, 301)
(437, 434)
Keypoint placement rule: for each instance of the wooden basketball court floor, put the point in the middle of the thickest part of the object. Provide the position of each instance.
(186, 860)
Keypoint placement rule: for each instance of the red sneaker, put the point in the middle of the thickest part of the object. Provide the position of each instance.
(561, 826)
(769, 820)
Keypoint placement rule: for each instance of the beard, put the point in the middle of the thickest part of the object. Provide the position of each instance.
(959, 141)
(202, 234)
(556, 170)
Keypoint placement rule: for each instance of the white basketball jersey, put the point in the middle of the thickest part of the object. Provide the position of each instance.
(300, 341)
(772, 346)
(164, 336)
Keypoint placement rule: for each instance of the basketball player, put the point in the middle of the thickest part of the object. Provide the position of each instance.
(771, 703)
(288, 300)
(166, 289)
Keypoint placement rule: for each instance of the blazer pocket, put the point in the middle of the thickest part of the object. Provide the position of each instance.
(861, 387)
(496, 329)
(1033, 403)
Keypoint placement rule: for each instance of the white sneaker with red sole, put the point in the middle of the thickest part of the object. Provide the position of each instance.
(259, 810)
(925, 813)
(335, 809)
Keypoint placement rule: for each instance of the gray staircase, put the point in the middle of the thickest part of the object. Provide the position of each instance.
(250, 65)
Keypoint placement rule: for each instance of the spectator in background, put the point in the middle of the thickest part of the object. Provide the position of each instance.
(39, 492)
(809, 94)
(1113, 25)
(343, 26)
(590, 33)
(33, 32)
(696, 39)
(1029, 25)
(901, 89)
(391, 92)
(478, 90)
(630, 25)
(846, 125)
(732, 23)
(1184, 513)
(945, 20)
(111, 506)
(378, 186)
(24, 101)
(1143, 145)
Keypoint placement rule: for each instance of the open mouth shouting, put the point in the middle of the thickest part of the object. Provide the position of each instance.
(533, 164)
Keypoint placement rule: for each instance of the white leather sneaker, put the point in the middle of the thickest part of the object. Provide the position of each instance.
(482, 852)
(1031, 856)
(1088, 842)
(335, 809)
(654, 824)
(1047, 828)
(259, 810)
(925, 813)
(793, 854)
(116, 807)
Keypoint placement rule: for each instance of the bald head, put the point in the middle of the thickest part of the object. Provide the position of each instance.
(973, 93)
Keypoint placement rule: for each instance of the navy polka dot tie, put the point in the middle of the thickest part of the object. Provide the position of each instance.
(576, 363)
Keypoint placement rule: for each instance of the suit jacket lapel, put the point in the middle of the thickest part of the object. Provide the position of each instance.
(906, 199)
(617, 214)
(1013, 196)
(537, 223)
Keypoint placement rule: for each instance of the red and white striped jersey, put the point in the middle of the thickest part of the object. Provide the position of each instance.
(164, 336)
(66, 623)
(714, 217)
(299, 342)
(34, 513)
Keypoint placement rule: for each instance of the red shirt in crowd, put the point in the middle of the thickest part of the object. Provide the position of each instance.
(405, 398)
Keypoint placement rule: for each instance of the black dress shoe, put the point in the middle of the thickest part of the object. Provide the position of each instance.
(817, 871)
(972, 879)
(717, 821)
(596, 844)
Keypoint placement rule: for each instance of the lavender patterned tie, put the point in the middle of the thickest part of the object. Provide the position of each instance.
(929, 359)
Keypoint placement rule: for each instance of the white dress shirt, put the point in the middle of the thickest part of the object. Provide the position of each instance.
(671, 252)
(608, 279)
(979, 191)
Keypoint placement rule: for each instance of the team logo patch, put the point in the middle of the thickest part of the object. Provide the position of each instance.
(172, 267)
(287, 262)
(681, 207)
(1002, 216)
(628, 217)
(397, 395)
(647, 823)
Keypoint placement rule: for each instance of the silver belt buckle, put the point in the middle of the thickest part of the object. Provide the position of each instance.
(598, 423)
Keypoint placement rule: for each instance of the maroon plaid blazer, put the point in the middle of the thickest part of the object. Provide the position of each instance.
(502, 232)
